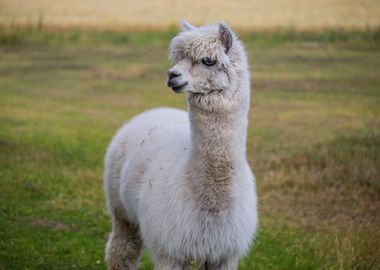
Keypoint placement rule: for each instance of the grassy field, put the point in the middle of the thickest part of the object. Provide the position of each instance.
(313, 142)
(245, 14)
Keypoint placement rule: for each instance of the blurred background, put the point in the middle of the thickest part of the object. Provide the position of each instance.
(72, 72)
(155, 14)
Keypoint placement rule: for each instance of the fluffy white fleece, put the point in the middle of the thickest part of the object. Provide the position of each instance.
(178, 182)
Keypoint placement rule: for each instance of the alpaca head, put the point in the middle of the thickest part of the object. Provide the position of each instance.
(210, 64)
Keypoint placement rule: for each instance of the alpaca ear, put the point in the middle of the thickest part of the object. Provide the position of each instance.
(187, 26)
(225, 35)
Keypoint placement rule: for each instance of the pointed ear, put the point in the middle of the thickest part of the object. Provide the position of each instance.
(187, 26)
(226, 35)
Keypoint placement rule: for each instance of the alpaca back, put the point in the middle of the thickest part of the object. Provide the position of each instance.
(151, 142)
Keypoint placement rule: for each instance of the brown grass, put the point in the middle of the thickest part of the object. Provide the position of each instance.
(55, 225)
(244, 14)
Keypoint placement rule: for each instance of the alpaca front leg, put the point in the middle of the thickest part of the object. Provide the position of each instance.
(123, 246)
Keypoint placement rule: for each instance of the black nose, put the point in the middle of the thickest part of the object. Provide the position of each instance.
(173, 74)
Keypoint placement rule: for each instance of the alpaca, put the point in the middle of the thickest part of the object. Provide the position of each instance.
(178, 182)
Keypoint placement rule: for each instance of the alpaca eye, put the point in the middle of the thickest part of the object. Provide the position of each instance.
(208, 61)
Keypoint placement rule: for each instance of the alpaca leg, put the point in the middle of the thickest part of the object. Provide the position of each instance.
(228, 264)
(123, 246)
(209, 266)
(187, 266)
(163, 264)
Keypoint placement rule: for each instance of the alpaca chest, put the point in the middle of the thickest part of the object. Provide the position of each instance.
(218, 237)
(182, 230)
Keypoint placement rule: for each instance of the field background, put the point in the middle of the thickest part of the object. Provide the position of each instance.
(158, 14)
(71, 72)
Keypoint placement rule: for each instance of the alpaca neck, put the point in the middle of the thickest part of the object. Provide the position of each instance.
(218, 135)
(217, 154)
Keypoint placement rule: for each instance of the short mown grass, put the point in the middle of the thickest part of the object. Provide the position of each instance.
(313, 142)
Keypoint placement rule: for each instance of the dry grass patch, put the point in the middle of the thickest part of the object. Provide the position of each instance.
(248, 14)
(55, 225)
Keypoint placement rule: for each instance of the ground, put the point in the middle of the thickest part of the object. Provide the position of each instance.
(313, 143)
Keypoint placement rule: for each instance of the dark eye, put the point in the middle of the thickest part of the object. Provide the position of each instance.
(208, 61)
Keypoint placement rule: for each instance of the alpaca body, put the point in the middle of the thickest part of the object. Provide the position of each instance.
(156, 192)
(179, 182)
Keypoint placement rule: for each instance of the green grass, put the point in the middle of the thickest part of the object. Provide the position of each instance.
(313, 142)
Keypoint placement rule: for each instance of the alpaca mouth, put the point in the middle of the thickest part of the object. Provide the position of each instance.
(178, 88)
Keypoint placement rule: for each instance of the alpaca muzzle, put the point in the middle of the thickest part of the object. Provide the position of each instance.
(174, 81)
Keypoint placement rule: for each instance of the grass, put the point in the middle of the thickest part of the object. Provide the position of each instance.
(313, 141)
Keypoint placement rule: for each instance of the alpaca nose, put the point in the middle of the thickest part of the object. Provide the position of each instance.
(173, 74)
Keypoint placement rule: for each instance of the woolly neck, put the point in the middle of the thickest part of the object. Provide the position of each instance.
(218, 144)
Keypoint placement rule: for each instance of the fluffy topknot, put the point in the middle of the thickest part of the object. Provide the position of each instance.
(197, 43)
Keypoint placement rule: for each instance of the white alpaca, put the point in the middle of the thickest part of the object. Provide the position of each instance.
(177, 182)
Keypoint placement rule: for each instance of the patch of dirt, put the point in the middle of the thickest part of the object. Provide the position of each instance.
(55, 225)
(6, 144)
